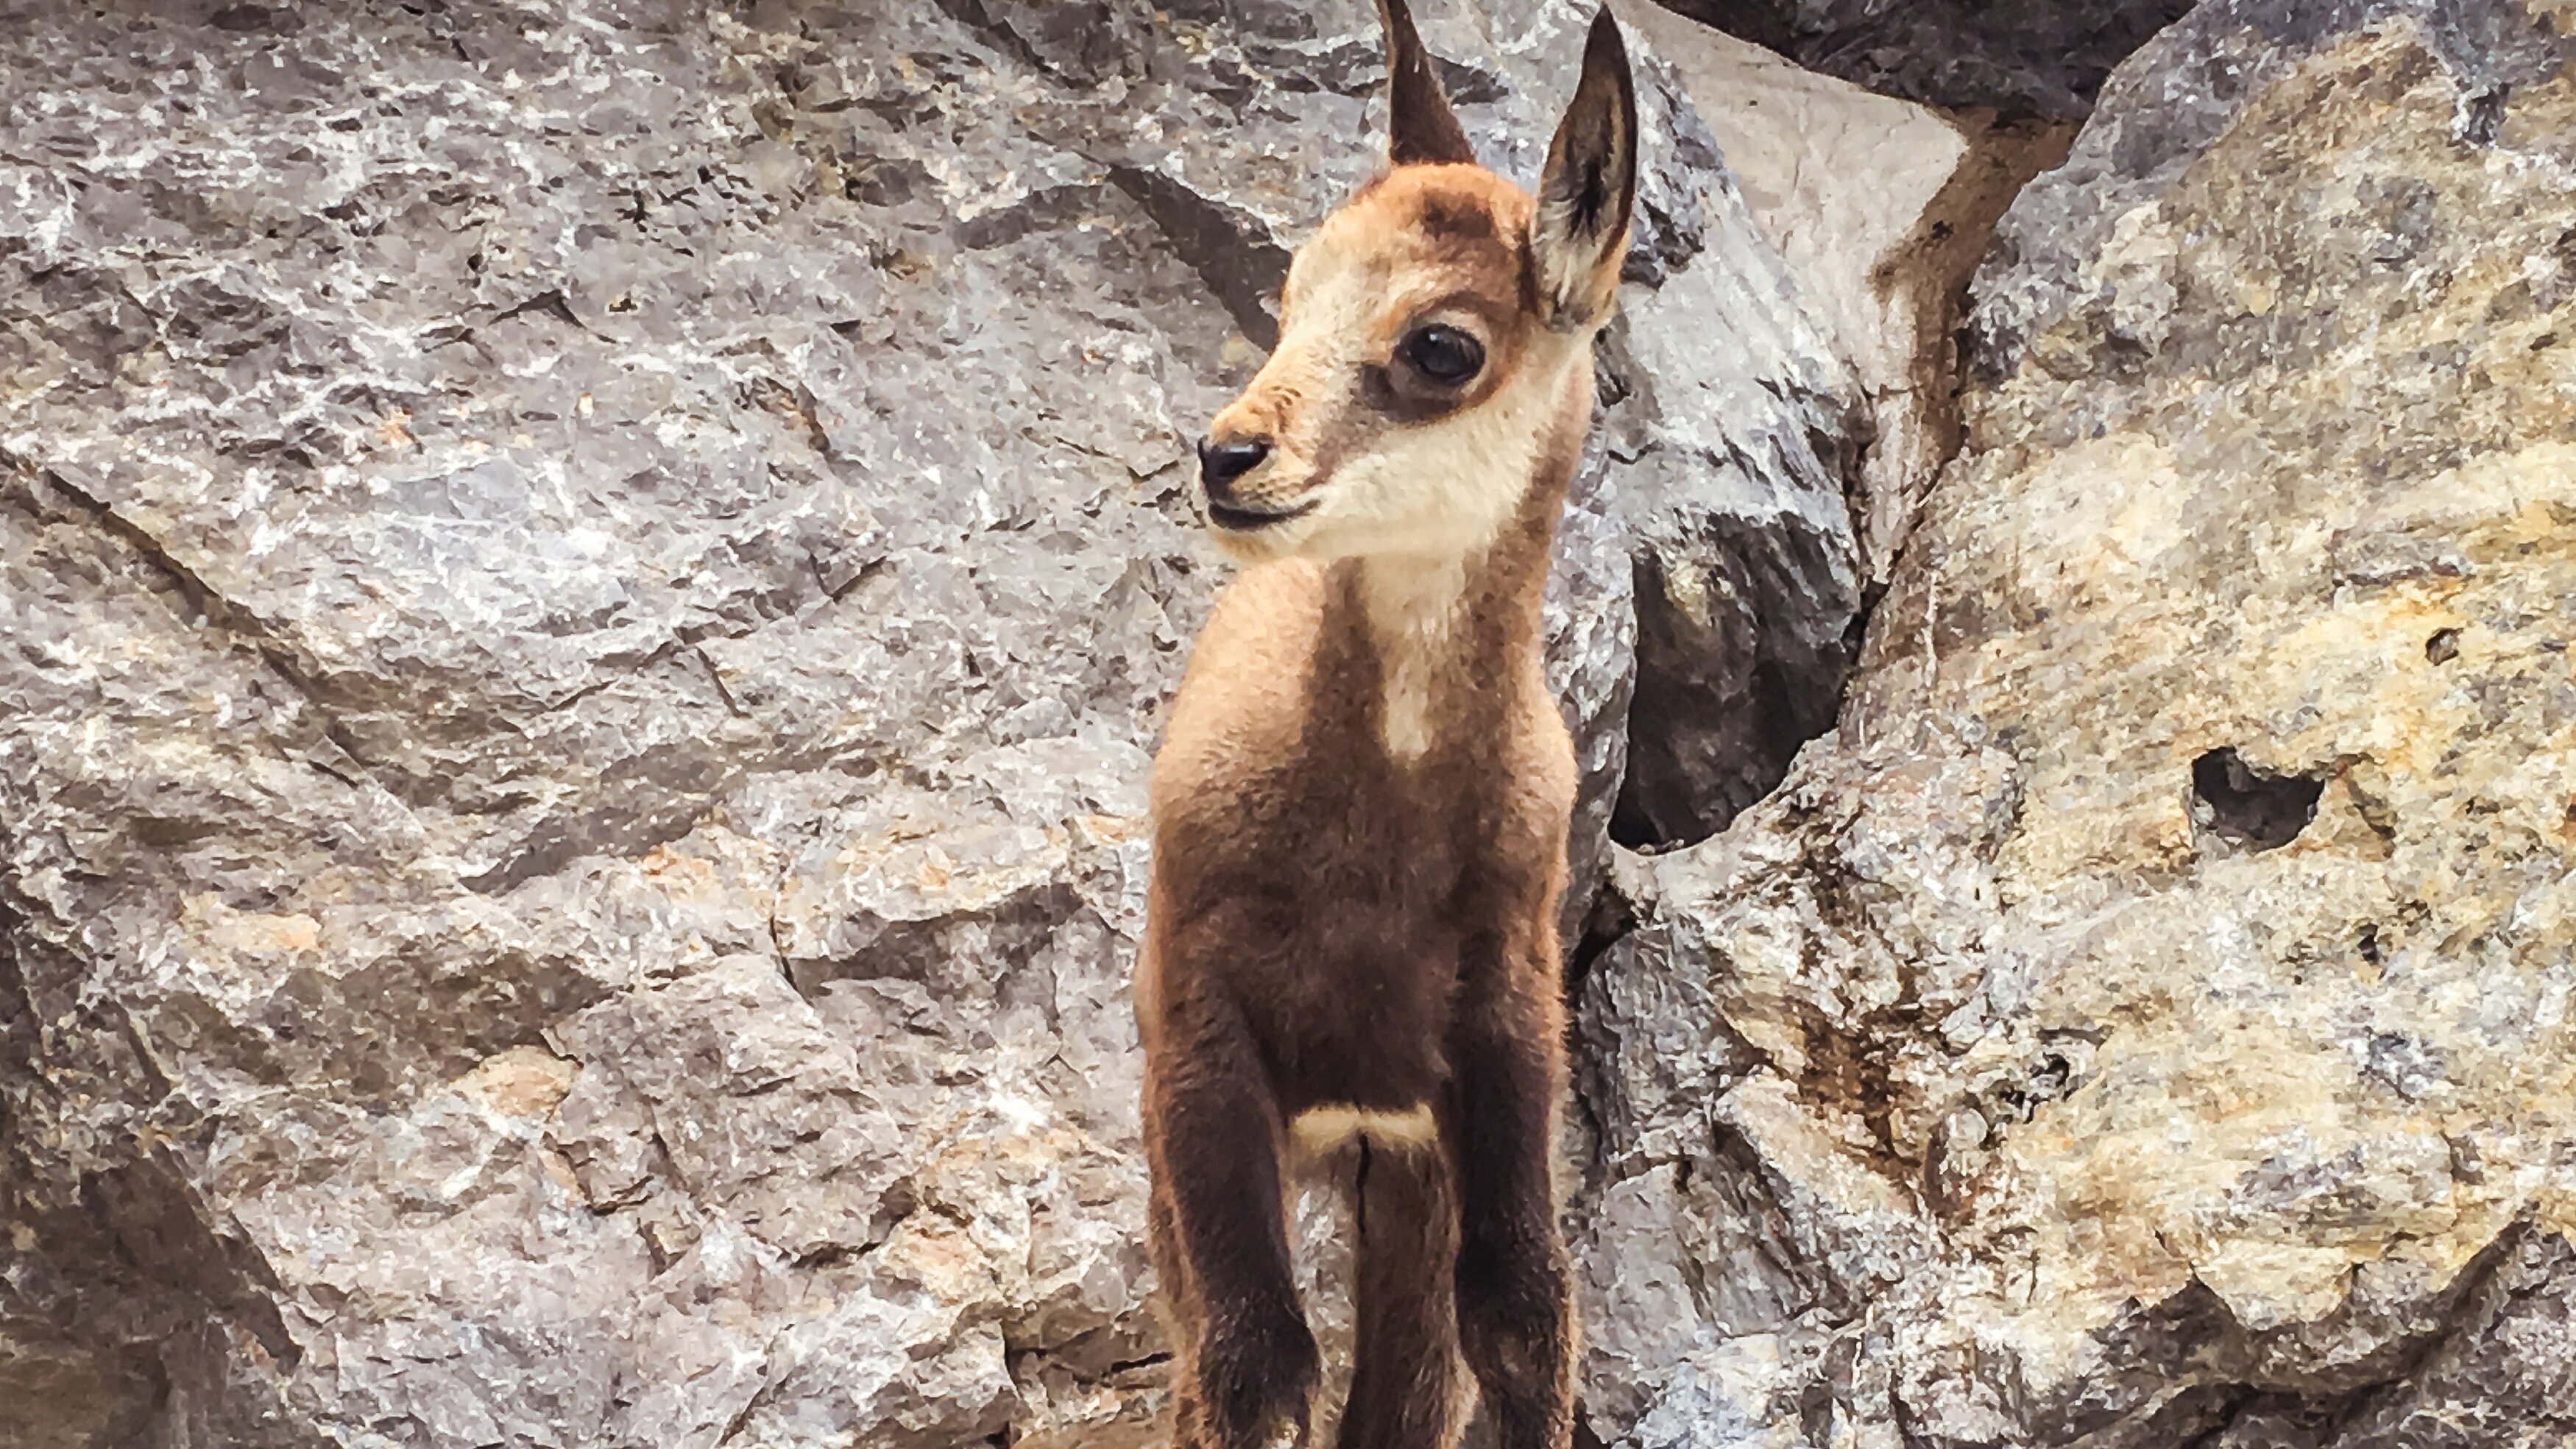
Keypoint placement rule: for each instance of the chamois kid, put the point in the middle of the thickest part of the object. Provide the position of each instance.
(1361, 802)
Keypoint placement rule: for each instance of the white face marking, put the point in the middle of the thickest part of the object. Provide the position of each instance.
(1442, 488)
(1320, 1131)
(1439, 488)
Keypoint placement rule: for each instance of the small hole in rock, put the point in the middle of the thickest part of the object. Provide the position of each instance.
(2243, 803)
(2370, 950)
(2443, 647)
(2050, 1079)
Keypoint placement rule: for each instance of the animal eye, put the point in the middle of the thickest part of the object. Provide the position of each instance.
(1441, 353)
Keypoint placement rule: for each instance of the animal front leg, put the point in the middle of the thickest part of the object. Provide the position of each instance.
(1213, 1135)
(1182, 1320)
(1514, 1287)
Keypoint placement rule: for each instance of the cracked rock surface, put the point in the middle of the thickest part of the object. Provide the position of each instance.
(2145, 1020)
(587, 586)
(2027, 58)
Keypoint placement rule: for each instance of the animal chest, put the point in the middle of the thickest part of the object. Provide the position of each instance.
(1353, 1001)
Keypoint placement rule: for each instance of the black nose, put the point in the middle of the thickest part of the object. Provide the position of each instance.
(1221, 463)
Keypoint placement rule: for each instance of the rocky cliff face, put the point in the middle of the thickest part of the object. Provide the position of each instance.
(2144, 1021)
(587, 588)
(587, 591)
(2022, 57)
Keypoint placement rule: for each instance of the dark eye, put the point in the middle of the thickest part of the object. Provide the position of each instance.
(1443, 354)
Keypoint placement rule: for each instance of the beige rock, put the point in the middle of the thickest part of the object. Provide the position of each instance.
(1880, 207)
(2163, 973)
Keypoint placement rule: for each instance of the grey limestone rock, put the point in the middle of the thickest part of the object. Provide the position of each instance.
(2188, 87)
(2144, 1020)
(2023, 57)
(587, 589)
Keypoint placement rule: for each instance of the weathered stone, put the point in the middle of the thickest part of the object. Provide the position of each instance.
(1880, 209)
(587, 589)
(2145, 1020)
(2508, 1379)
(1747, 576)
(1733, 433)
(2061, 247)
(2043, 58)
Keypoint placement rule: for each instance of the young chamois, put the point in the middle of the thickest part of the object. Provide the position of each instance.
(1361, 803)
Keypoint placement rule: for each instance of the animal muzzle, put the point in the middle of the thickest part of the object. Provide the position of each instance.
(1224, 468)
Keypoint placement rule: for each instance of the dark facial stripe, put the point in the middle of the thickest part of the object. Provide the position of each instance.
(1456, 221)
(1391, 400)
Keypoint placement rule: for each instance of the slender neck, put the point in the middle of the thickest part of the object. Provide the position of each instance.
(1459, 602)
(1444, 630)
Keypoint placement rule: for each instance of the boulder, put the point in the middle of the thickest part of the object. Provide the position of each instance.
(2025, 58)
(588, 589)
(2145, 1019)
(1881, 209)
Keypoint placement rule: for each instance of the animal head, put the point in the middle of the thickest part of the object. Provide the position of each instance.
(1435, 334)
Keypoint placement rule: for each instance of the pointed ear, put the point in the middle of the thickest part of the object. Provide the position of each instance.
(1420, 127)
(1579, 233)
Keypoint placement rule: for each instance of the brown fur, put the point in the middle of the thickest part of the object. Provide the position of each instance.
(1360, 813)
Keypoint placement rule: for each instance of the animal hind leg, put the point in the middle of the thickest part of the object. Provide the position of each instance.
(1407, 1384)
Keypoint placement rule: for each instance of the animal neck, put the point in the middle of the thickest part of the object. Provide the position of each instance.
(1448, 632)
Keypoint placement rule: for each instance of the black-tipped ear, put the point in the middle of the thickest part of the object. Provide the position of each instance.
(1420, 127)
(1588, 192)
